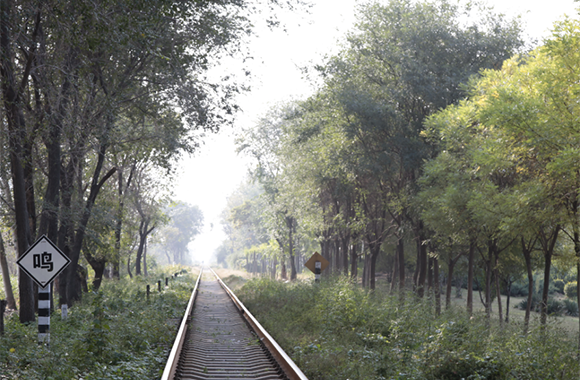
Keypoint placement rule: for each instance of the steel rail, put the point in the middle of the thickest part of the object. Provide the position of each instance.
(290, 369)
(173, 360)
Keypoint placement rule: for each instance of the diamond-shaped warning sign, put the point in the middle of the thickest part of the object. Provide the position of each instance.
(310, 264)
(43, 261)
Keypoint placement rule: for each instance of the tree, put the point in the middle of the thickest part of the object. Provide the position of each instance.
(264, 143)
(385, 82)
(185, 222)
(84, 84)
(147, 201)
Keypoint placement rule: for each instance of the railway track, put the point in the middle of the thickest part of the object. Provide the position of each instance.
(219, 339)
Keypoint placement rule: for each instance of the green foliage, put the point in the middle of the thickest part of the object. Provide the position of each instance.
(571, 290)
(113, 334)
(519, 289)
(570, 307)
(336, 330)
(559, 285)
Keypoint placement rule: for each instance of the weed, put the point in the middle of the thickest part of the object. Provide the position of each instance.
(336, 330)
(113, 334)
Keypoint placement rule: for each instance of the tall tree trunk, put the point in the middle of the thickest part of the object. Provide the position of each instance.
(422, 262)
(401, 259)
(497, 288)
(121, 190)
(451, 266)
(353, 263)
(436, 286)
(143, 226)
(395, 275)
(375, 249)
(283, 273)
(27, 153)
(544, 302)
(345, 240)
(430, 276)
(145, 259)
(509, 283)
(118, 227)
(470, 260)
(491, 249)
(10, 301)
(73, 288)
(17, 134)
(129, 266)
(291, 224)
(366, 265)
(528, 258)
(66, 230)
(274, 264)
(49, 217)
(548, 242)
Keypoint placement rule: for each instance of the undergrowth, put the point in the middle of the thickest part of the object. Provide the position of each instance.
(113, 334)
(336, 330)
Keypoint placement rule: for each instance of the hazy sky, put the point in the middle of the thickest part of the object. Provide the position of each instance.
(216, 171)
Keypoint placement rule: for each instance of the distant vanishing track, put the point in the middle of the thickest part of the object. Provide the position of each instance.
(222, 340)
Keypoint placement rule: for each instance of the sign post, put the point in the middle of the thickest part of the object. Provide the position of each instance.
(43, 261)
(317, 263)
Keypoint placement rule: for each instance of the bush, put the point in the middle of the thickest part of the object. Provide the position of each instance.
(519, 289)
(571, 307)
(535, 303)
(462, 365)
(555, 307)
(113, 334)
(571, 290)
(559, 285)
(336, 330)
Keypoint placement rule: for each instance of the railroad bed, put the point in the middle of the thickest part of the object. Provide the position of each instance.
(220, 339)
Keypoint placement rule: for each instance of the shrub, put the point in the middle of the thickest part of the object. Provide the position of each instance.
(559, 285)
(555, 307)
(519, 289)
(336, 330)
(113, 334)
(535, 303)
(463, 365)
(571, 290)
(571, 307)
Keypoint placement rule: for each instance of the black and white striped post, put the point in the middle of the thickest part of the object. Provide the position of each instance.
(317, 271)
(44, 314)
(43, 262)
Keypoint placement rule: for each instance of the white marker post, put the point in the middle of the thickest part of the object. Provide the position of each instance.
(64, 311)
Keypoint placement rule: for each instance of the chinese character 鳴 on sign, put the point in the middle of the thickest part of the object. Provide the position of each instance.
(43, 261)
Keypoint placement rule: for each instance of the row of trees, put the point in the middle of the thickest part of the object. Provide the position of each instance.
(436, 128)
(100, 99)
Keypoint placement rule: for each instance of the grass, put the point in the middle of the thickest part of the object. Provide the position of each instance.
(233, 278)
(116, 333)
(336, 330)
(516, 315)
